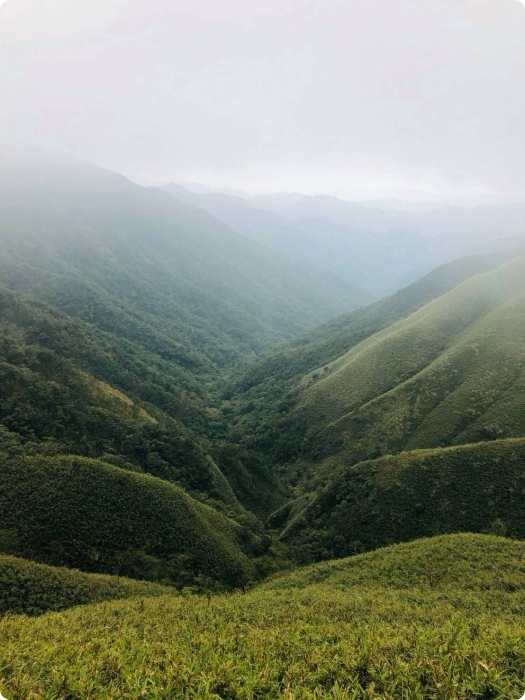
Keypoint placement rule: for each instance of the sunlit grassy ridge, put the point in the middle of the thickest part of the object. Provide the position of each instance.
(466, 561)
(451, 373)
(359, 637)
(26, 587)
(470, 488)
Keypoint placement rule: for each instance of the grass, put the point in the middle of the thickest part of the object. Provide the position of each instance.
(307, 636)
(32, 589)
(84, 513)
(450, 373)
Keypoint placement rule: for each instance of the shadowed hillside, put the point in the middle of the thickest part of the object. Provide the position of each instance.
(471, 488)
(72, 511)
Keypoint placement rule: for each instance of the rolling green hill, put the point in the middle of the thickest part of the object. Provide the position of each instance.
(68, 387)
(32, 589)
(379, 625)
(470, 488)
(468, 562)
(83, 513)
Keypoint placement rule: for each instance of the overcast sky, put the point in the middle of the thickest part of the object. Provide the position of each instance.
(358, 98)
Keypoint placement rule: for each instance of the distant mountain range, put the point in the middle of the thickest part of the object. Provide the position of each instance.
(380, 248)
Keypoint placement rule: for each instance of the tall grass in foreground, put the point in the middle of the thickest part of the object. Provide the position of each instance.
(446, 639)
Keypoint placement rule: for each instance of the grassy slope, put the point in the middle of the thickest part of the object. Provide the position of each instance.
(450, 373)
(32, 589)
(465, 561)
(474, 488)
(263, 394)
(73, 511)
(364, 628)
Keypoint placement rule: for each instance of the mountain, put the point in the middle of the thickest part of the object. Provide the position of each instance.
(86, 514)
(413, 494)
(450, 373)
(149, 429)
(369, 440)
(136, 262)
(120, 310)
(382, 249)
(264, 395)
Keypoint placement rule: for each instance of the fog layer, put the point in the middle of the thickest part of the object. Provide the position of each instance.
(356, 97)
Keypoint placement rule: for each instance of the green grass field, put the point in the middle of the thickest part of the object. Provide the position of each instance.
(375, 626)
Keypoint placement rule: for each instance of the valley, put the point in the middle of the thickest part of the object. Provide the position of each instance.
(213, 445)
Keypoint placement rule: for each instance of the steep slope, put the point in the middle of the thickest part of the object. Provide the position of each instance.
(86, 514)
(263, 395)
(451, 373)
(182, 297)
(471, 488)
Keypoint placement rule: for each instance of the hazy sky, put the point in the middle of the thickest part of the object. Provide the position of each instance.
(359, 98)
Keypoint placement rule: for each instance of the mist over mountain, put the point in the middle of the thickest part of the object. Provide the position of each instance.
(379, 249)
(262, 437)
(385, 99)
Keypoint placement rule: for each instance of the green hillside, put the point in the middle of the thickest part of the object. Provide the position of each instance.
(471, 488)
(450, 373)
(31, 589)
(262, 395)
(82, 513)
(374, 626)
(137, 263)
(468, 562)
(71, 388)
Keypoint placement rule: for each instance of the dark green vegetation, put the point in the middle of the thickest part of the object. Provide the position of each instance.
(83, 513)
(31, 589)
(437, 619)
(414, 494)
